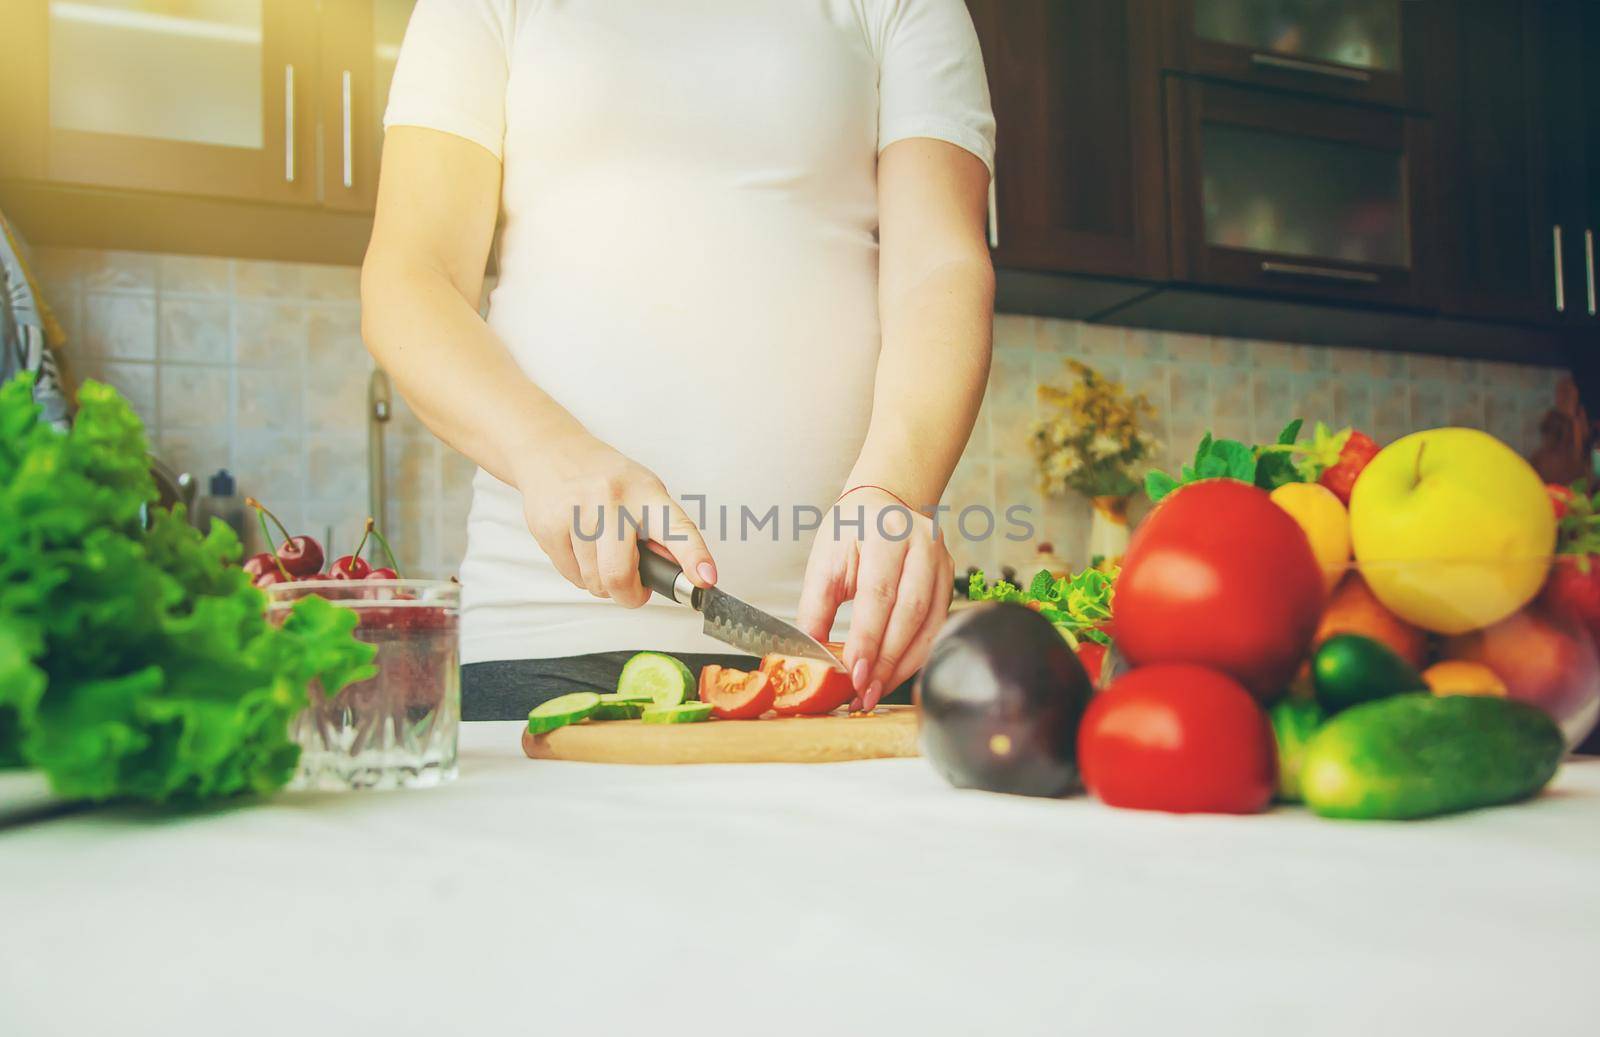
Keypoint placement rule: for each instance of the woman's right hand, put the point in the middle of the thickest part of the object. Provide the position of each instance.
(580, 484)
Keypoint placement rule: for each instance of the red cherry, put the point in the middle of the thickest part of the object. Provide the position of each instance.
(349, 567)
(255, 565)
(301, 555)
(384, 573)
(270, 577)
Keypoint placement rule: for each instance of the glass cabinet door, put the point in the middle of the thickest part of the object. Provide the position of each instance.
(1347, 48)
(1359, 34)
(361, 43)
(1297, 195)
(198, 96)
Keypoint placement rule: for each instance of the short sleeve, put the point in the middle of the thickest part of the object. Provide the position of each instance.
(452, 71)
(931, 81)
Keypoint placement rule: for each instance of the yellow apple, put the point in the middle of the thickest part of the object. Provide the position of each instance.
(1452, 529)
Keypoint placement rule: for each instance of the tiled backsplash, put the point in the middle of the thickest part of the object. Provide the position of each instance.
(259, 368)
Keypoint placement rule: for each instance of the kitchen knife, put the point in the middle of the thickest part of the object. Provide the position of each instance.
(729, 620)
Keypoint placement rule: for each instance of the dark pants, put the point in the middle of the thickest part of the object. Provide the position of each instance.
(507, 689)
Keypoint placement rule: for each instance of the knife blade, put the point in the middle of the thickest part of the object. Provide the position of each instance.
(730, 619)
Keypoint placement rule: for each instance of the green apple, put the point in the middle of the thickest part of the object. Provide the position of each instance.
(1452, 529)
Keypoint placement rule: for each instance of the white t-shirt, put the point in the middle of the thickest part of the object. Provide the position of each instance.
(687, 259)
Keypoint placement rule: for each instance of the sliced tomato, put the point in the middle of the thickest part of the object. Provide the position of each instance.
(736, 694)
(807, 686)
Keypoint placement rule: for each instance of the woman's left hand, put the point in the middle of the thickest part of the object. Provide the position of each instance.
(898, 577)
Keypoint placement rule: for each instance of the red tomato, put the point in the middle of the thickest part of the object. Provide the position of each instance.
(1178, 738)
(807, 686)
(735, 694)
(1340, 476)
(1220, 576)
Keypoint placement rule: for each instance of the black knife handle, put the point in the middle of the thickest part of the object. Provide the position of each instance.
(665, 576)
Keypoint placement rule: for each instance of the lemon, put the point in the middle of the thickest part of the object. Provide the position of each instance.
(1325, 523)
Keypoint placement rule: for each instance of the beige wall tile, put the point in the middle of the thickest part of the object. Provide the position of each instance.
(195, 275)
(195, 397)
(120, 271)
(268, 399)
(270, 334)
(259, 279)
(335, 401)
(271, 467)
(121, 327)
(339, 283)
(197, 331)
(333, 339)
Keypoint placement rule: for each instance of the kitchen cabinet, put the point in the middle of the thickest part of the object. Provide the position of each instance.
(1078, 166)
(1373, 51)
(239, 127)
(183, 96)
(1496, 218)
(360, 45)
(1570, 32)
(1282, 194)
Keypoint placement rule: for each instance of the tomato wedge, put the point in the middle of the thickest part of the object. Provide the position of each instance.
(807, 686)
(735, 694)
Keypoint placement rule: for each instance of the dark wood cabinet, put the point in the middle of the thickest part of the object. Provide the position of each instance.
(1078, 166)
(1571, 31)
(1360, 50)
(1295, 195)
(1496, 219)
(250, 128)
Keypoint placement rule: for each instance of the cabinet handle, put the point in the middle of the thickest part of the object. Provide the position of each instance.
(288, 123)
(994, 216)
(349, 160)
(1319, 273)
(1561, 281)
(1588, 265)
(1310, 68)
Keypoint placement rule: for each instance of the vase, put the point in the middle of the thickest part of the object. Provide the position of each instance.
(1108, 529)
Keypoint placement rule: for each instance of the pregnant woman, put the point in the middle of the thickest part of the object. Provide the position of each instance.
(741, 267)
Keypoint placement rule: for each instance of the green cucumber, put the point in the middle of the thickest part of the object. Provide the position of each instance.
(1293, 725)
(687, 713)
(1420, 755)
(660, 678)
(619, 707)
(1349, 669)
(561, 711)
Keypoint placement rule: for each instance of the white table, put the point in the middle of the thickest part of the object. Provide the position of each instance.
(836, 899)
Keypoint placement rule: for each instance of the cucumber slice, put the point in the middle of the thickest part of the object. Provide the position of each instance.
(618, 707)
(661, 678)
(687, 713)
(561, 711)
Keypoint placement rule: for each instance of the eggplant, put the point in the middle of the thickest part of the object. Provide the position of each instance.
(999, 703)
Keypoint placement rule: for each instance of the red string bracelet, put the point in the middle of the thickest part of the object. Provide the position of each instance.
(880, 489)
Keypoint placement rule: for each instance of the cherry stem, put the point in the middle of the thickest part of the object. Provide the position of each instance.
(266, 536)
(262, 510)
(363, 542)
(384, 543)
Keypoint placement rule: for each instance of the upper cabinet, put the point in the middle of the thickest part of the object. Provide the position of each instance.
(1570, 30)
(210, 97)
(360, 45)
(1350, 49)
(131, 115)
(1078, 168)
(1294, 194)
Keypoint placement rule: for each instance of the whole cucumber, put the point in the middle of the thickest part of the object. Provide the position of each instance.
(1417, 755)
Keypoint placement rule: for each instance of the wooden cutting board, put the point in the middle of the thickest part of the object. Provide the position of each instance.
(890, 731)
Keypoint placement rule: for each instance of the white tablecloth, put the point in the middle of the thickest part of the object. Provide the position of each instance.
(837, 899)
